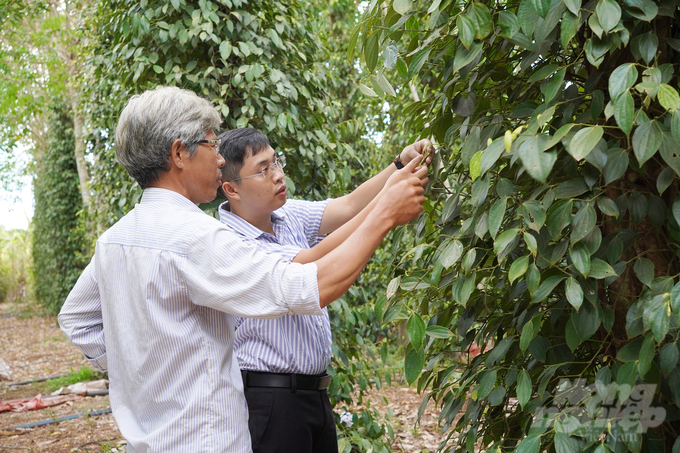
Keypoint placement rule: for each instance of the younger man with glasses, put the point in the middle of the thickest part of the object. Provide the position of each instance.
(283, 361)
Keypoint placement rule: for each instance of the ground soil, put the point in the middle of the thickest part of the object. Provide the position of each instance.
(34, 347)
(400, 406)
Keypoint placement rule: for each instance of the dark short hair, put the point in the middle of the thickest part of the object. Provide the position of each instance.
(237, 145)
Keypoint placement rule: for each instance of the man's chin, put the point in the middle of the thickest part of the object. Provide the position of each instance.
(210, 198)
(207, 200)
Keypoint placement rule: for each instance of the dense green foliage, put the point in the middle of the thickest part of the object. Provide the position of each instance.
(31, 73)
(260, 63)
(15, 102)
(552, 239)
(17, 78)
(39, 60)
(57, 236)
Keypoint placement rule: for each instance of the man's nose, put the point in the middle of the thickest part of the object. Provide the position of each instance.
(220, 161)
(278, 174)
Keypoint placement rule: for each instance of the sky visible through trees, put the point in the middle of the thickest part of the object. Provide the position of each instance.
(16, 204)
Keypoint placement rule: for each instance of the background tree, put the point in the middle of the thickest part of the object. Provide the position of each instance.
(260, 63)
(40, 61)
(553, 234)
(21, 97)
(39, 58)
(57, 237)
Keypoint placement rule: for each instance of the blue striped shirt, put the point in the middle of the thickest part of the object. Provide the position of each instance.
(155, 306)
(292, 343)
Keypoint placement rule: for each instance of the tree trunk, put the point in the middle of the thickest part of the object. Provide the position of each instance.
(67, 46)
(81, 164)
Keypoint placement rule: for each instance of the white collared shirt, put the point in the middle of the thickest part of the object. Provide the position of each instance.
(155, 307)
(293, 343)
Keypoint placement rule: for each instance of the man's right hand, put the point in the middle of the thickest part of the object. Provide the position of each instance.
(405, 173)
(413, 177)
(403, 201)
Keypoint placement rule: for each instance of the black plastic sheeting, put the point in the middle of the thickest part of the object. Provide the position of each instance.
(62, 419)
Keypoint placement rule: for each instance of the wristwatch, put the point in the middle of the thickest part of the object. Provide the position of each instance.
(397, 162)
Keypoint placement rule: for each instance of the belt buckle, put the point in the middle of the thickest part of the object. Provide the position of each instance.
(324, 382)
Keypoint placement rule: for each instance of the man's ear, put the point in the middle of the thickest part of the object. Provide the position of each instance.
(178, 154)
(232, 190)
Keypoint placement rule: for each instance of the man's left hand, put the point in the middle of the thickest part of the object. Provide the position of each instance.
(419, 148)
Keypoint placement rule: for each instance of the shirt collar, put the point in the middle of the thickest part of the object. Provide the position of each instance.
(158, 195)
(241, 226)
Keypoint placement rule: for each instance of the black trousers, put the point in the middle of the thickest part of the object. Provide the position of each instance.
(281, 421)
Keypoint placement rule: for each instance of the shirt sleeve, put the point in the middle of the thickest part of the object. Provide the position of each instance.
(80, 318)
(286, 252)
(235, 277)
(309, 215)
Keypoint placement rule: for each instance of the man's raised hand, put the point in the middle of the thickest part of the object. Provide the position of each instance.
(420, 148)
(411, 169)
(403, 201)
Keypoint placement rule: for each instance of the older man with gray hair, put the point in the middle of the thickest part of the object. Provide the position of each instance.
(156, 304)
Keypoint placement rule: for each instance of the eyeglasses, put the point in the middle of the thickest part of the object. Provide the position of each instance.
(214, 144)
(269, 170)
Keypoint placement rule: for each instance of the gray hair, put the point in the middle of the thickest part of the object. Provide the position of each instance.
(151, 121)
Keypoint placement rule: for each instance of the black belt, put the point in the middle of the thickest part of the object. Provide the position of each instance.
(286, 380)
